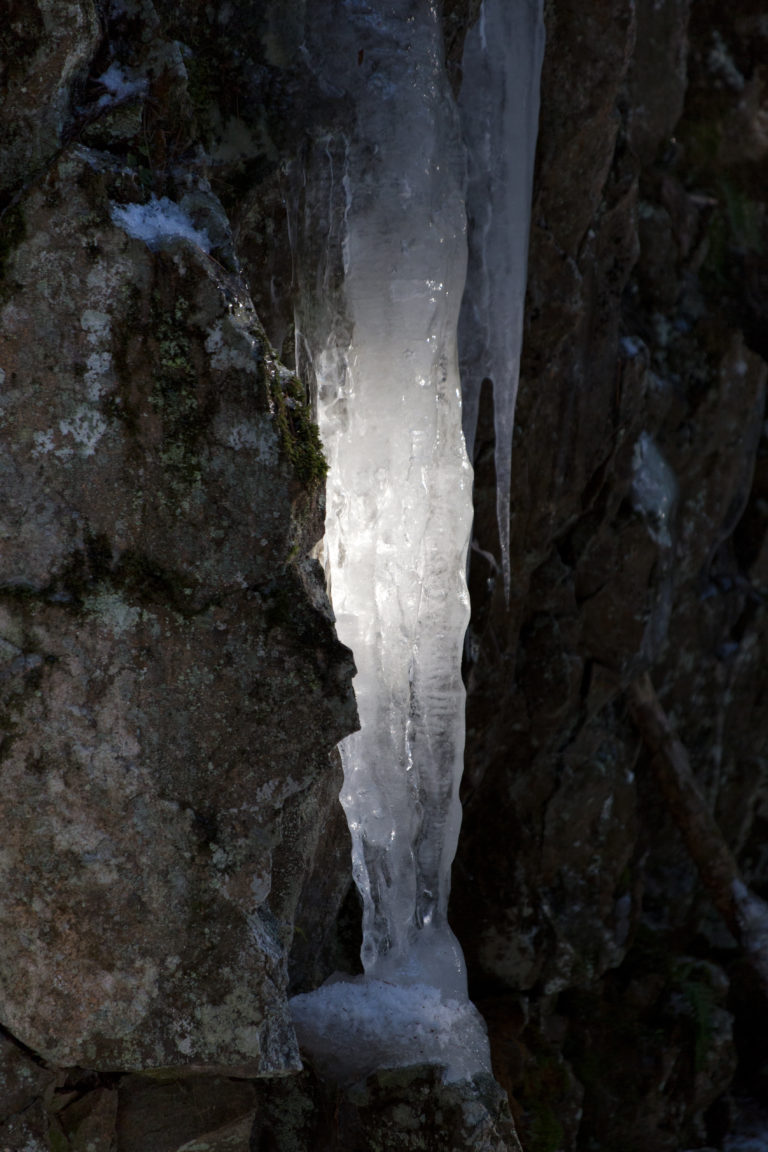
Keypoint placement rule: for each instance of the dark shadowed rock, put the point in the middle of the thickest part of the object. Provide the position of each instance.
(638, 529)
(46, 48)
(22, 1079)
(210, 1114)
(395, 1110)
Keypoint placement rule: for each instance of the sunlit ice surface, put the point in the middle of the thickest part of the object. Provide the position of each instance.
(382, 345)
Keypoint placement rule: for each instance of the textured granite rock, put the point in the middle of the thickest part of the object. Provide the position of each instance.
(172, 686)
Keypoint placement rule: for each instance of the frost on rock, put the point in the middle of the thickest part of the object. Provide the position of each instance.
(349, 1029)
(499, 105)
(654, 489)
(383, 350)
(119, 86)
(158, 221)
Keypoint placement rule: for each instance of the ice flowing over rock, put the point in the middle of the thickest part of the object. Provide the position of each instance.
(499, 105)
(399, 492)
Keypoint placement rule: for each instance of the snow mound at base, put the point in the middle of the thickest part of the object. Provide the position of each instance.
(350, 1028)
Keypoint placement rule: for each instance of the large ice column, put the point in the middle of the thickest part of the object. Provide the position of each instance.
(499, 105)
(383, 350)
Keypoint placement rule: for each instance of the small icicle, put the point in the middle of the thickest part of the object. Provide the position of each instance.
(499, 105)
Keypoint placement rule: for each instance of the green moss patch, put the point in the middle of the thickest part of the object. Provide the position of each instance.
(299, 435)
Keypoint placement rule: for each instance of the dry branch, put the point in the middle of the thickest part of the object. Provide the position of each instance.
(745, 914)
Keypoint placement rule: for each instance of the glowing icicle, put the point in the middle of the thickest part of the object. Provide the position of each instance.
(383, 350)
(499, 105)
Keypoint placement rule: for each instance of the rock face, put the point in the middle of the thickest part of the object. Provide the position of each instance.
(639, 534)
(391, 1111)
(173, 857)
(172, 685)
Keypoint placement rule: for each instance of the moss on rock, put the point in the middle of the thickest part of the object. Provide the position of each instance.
(299, 434)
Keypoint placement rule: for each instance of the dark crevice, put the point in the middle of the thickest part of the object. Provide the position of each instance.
(22, 1047)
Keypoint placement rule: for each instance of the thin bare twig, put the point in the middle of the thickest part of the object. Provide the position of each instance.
(745, 914)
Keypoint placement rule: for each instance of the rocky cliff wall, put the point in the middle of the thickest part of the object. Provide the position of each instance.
(172, 685)
(639, 529)
(173, 856)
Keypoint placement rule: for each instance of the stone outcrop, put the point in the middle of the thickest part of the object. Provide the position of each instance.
(172, 685)
(391, 1111)
(639, 538)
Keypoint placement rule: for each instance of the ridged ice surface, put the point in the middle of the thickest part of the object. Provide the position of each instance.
(399, 490)
(499, 105)
(378, 221)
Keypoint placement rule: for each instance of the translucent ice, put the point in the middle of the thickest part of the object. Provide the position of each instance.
(383, 349)
(378, 231)
(499, 105)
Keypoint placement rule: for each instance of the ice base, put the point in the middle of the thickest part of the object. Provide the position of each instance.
(351, 1028)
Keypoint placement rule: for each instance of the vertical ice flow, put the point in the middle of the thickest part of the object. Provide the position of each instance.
(499, 107)
(382, 346)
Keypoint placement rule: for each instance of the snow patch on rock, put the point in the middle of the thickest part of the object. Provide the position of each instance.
(350, 1029)
(119, 85)
(654, 489)
(158, 221)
